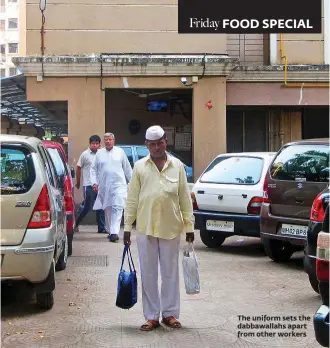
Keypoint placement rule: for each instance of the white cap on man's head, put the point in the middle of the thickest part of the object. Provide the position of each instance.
(154, 133)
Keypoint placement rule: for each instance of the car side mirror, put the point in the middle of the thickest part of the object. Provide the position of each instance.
(73, 173)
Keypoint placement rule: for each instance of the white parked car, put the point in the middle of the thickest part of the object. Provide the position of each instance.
(228, 195)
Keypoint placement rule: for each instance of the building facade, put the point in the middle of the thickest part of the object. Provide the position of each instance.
(12, 38)
(120, 67)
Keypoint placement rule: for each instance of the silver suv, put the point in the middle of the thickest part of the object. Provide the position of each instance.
(33, 226)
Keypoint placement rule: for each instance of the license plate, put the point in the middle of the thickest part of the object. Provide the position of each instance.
(215, 225)
(294, 230)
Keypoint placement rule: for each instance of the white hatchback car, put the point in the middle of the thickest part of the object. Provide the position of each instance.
(228, 195)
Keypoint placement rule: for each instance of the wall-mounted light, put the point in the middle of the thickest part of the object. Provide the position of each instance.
(42, 5)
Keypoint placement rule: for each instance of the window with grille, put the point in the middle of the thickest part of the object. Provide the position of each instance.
(2, 25)
(13, 48)
(12, 71)
(3, 72)
(3, 49)
(12, 23)
(3, 6)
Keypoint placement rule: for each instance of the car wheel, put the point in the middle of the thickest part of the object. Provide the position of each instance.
(63, 259)
(45, 300)
(277, 250)
(70, 238)
(211, 240)
(314, 283)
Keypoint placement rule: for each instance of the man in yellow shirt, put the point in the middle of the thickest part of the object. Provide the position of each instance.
(159, 200)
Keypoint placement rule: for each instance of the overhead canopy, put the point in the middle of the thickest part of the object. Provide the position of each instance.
(15, 106)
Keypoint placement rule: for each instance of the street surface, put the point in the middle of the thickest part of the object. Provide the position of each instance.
(240, 288)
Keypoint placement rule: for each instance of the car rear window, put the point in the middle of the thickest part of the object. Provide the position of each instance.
(238, 170)
(17, 170)
(302, 163)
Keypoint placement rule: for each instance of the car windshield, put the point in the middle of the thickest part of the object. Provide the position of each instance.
(302, 163)
(17, 170)
(238, 170)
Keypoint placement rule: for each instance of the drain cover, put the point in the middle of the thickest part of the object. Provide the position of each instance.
(86, 261)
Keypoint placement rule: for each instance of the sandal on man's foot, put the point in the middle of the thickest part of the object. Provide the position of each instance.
(172, 322)
(150, 325)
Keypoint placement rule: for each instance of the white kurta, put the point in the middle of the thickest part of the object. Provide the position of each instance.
(112, 171)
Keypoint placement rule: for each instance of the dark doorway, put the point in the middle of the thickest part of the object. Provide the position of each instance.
(247, 130)
(315, 123)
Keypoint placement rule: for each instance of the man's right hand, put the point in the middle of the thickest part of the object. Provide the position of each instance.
(77, 186)
(127, 238)
(95, 187)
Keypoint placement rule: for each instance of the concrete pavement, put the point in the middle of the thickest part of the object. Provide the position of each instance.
(239, 285)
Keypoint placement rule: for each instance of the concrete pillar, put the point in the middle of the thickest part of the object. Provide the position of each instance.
(86, 110)
(209, 125)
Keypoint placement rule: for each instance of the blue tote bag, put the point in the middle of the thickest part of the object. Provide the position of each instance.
(127, 283)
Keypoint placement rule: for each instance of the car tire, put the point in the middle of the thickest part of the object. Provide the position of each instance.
(277, 250)
(45, 300)
(63, 259)
(70, 238)
(212, 240)
(314, 283)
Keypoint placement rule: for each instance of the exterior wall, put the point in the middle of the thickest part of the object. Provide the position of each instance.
(86, 111)
(11, 10)
(22, 27)
(82, 27)
(254, 49)
(303, 49)
(273, 94)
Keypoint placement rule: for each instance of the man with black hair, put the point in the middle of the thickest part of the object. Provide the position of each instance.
(84, 164)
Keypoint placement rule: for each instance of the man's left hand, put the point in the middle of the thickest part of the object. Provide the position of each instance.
(190, 237)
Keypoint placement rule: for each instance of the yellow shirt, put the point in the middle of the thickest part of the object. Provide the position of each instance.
(160, 202)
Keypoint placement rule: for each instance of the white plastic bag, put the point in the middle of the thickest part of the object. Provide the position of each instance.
(190, 270)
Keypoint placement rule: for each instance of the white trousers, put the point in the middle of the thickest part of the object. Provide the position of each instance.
(154, 252)
(113, 217)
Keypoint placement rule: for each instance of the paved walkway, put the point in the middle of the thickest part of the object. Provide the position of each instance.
(238, 279)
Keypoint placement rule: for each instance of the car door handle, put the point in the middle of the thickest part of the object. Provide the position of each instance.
(244, 195)
(200, 192)
(299, 200)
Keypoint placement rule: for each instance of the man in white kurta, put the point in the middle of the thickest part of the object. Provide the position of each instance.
(110, 174)
(159, 200)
